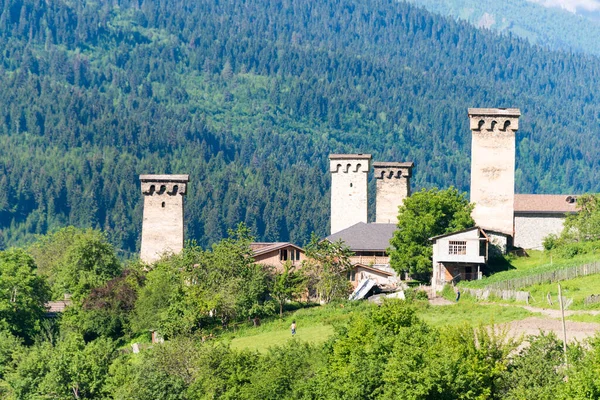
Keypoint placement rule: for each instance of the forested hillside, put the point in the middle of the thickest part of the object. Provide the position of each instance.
(553, 27)
(249, 98)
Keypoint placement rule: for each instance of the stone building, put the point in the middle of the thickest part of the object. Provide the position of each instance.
(162, 224)
(493, 166)
(519, 220)
(393, 186)
(349, 195)
(539, 215)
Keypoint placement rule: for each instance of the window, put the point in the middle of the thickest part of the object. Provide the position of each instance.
(457, 247)
(297, 255)
(283, 255)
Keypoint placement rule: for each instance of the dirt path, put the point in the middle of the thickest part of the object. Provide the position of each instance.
(549, 321)
(534, 325)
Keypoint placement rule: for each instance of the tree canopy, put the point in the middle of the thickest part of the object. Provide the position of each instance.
(22, 294)
(423, 215)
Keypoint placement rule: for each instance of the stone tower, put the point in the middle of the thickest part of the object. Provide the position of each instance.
(162, 225)
(493, 166)
(349, 199)
(393, 186)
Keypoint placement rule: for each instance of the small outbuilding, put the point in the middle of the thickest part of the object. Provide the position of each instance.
(459, 256)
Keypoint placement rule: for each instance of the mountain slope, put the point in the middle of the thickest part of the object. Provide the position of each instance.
(250, 99)
(554, 27)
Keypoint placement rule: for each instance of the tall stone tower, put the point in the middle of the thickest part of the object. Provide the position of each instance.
(349, 199)
(493, 166)
(162, 225)
(393, 186)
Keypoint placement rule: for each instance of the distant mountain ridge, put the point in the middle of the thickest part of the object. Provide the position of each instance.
(554, 27)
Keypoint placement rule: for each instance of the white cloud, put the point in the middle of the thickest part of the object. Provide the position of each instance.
(571, 5)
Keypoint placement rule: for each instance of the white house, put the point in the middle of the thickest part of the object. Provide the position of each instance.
(459, 256)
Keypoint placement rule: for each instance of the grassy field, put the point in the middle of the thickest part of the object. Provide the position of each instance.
(537, 262)
(316, 325)
(577, 289)
(315, 334)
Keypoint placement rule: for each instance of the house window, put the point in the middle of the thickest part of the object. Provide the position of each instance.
(297, 255)
(283, 255)
(457, 247)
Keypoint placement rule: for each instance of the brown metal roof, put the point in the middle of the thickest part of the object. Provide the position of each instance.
(545, 203)
(260, 248)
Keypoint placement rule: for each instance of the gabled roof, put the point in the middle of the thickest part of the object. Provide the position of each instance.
(459, 232)
(545, 203)
(365, 237)
(376, 270)
(260, 248)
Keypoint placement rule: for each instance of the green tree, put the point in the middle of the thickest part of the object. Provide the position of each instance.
(536, 373)
(585, 224)
(423, 215)
(22, 293)
(75, 261)
(287, 285)
(325, 268)
(71, 369)
(191, 290)
(107, 310)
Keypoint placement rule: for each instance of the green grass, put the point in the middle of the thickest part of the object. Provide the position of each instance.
(315, 334)
(537, 262)
(577, 289)
(316, 324)
(467, 311)
(584, 318)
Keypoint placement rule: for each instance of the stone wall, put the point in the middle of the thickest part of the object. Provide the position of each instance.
(493, 167)
(532, 228)
(162, 225)
(349, 199)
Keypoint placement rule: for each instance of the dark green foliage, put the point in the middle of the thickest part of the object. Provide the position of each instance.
(423, 215)
(107, 310)
(95, 93)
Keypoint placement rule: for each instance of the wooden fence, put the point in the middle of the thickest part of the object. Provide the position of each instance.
(484, 294)
(547, 277)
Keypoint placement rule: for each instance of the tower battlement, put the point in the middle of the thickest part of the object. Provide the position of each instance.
(393, 186)
(162, 225)
(164, 184)
(349, 163)
(494, 119)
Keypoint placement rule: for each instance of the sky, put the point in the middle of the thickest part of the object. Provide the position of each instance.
(571, 5)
